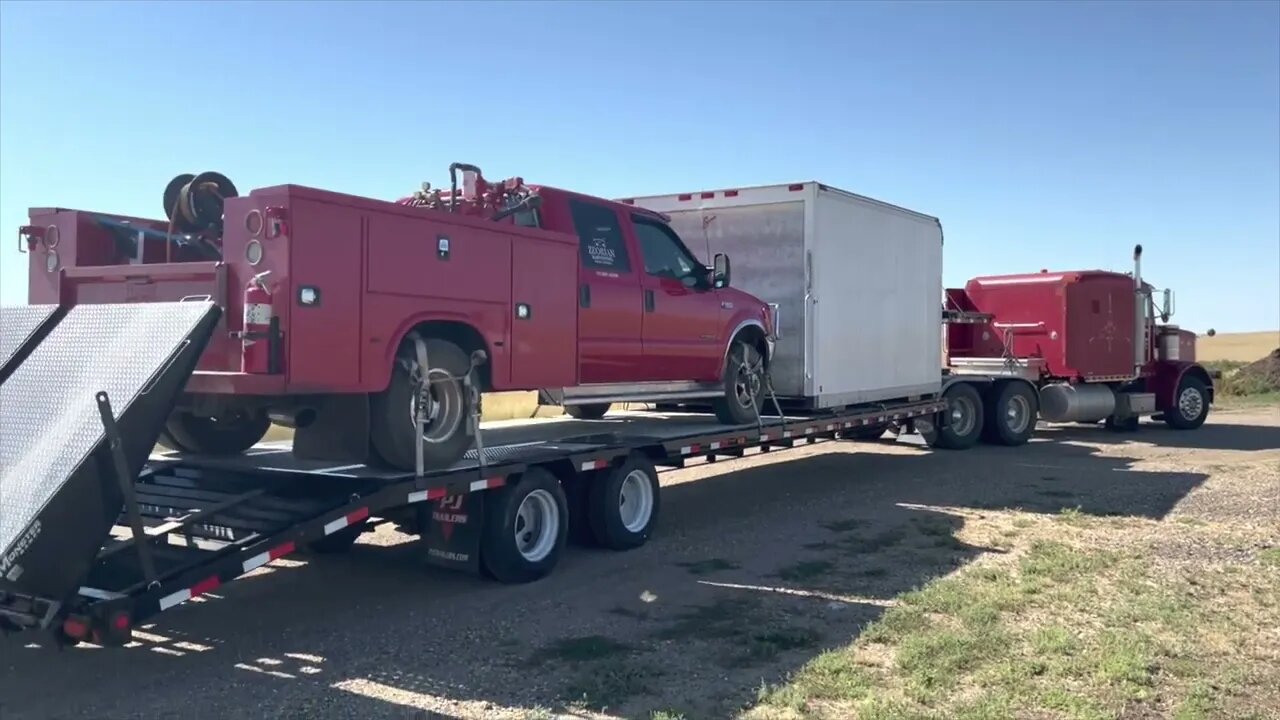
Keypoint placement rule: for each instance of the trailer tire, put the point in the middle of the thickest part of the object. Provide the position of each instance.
(623, 504)
(965, 418)
(211, 436)
(525, 528)
(1011, 414)
(1191, 405)
(741, 386)
(391, 427)
(591, 411)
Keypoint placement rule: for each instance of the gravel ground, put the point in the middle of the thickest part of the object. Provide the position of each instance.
(759, 564)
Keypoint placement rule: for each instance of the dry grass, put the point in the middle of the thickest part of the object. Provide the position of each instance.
(1085, 617)
(1237, 347)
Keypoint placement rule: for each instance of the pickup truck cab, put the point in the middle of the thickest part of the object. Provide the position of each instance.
(362, 322)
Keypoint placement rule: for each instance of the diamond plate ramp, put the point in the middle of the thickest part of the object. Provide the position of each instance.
(17, 325)
(58, 494)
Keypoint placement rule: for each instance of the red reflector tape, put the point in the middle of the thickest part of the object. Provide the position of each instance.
(206, 585)
(731, 193)
(685, 196)
(708, 195)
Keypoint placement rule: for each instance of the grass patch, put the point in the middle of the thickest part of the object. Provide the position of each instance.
(1270, 557)
(1058, 631)
(706, 567)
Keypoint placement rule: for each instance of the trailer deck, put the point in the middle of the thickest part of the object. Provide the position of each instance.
(104, 535)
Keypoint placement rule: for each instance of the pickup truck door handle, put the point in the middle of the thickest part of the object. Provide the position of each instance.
(648, 301)
(584, 295)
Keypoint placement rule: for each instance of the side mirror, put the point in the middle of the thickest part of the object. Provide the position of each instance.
(720, 271)
(1167, 311)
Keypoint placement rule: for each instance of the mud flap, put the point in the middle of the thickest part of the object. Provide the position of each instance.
(451, 528)
(59, 494)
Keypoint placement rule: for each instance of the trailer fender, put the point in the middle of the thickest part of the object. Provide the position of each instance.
(1167, 377)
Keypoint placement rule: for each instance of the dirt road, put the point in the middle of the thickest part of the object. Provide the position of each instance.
(758, 565)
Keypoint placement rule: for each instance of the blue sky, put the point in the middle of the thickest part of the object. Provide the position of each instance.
(1043, 134)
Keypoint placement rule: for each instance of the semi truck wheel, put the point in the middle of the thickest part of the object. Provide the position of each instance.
(392, 411)
(743, 397)
(525, 526)
(224, 435)
(622, 504)
(965, 418)
(593, 411)
(1011, 414)
(1191, 405)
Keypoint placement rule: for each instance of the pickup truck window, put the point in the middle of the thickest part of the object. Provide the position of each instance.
(664, 254)
(600, 237)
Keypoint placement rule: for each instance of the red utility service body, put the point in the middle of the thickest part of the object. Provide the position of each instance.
(379, 269)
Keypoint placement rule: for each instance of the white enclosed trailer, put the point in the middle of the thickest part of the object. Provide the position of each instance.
(857, 284)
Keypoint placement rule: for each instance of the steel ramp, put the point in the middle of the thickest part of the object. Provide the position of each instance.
(71, 379)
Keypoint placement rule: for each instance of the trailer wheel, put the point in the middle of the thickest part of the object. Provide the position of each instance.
(525, 528)
(743, 397)
(623, 504)
(1011, 414)
(964, 418)
(592, 411)
(1191, 405)
(391, 412)
(225, 435)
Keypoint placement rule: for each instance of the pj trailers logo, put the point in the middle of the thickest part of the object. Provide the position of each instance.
(9, 567)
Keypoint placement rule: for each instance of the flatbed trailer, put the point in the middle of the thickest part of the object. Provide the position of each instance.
(191, 524)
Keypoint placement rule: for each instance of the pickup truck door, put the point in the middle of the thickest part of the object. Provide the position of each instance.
(609, 349)
(683, 318)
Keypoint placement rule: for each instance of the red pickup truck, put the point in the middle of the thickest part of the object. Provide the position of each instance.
(333, 302)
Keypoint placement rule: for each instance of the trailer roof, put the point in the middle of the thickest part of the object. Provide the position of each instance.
(791, 187)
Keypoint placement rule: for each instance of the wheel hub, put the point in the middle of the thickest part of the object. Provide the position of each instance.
(537, 524)
(635, 501)
(1190, 404)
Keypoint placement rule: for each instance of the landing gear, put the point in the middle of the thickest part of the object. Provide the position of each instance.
(744, 386)
(393, 412)
(227, 434)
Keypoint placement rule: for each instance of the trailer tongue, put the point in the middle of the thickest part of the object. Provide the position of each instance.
(84, 394)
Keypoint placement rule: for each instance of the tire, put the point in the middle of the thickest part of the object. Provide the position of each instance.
(593, 411)
(1011, 414)
(509, 558)
(1191, 405)
(735, 407)
(215, 436)
(867, 432)
(966, 418)
(623, 504)
(391, 426)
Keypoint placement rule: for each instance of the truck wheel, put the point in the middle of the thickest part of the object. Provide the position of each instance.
(525, 528)
(225, 435)
(965, 418)
(1011, 415)
(1191, 405)
(743, 397)
(593, 411)
(391, 412)
(622, 504)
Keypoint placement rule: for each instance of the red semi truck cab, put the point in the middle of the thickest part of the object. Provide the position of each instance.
(337, 308)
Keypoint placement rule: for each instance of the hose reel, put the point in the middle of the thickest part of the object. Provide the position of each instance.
(193, 203)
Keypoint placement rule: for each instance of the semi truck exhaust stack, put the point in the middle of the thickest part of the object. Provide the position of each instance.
(1139, 314)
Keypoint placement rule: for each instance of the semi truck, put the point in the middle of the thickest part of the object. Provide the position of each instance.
(859, 297)
(101, 530)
